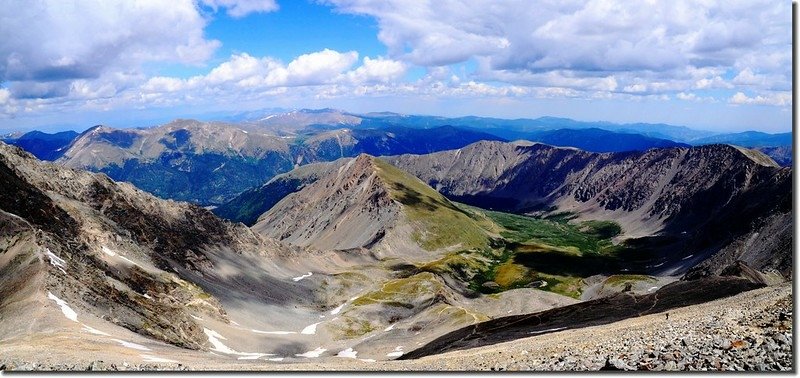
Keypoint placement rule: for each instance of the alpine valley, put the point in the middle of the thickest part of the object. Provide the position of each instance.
(329, 240)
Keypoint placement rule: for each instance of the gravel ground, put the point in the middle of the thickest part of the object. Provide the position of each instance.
(751, 331)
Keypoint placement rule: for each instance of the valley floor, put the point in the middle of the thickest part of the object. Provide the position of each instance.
(749, 331)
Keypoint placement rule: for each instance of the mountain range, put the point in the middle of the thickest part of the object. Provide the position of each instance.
(336, 252)
(210, 163)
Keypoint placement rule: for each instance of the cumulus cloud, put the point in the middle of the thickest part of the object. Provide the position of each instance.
(5, 94)
(778, 99)
(248, 73)
(589, 43)
(241, 8)
(379, 70)
(56, 40)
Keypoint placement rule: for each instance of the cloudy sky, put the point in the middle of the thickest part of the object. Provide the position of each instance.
(716, 65)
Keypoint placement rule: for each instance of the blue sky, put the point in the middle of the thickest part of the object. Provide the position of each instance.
(722, 66)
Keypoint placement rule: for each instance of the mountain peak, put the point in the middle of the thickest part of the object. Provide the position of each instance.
(368, 203)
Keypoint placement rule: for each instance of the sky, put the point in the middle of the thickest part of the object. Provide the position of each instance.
(713, 65)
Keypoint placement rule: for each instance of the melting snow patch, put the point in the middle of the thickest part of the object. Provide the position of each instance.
(213, 338)
(128, 344)
(149, 358)
(652, 288)
(56, 261)
(274, 332)
(276, 359)
(546, 330)
(196, 317)
(347, 353)
(396, 353)
(337, 309)
(94, 331)
(310, 330)
(389, 328)
(254, 356)
(110, 252)
(309, 274)
(312, 354)
(68, 312)
(234, 323)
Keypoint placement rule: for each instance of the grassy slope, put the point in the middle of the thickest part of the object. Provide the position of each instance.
(439, 223)
(566, 246)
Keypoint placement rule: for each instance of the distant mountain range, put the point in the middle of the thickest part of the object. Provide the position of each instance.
(210, 163)
(43, 145)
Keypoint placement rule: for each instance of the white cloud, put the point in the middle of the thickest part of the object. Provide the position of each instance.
(589, 42)
(5, 94)
(241, 8)
(378, 70)
(318, 67)
(56, 40)
(775, 99)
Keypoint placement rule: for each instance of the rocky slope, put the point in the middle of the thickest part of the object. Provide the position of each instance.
(751, 331)
(781, 154)
(367, 203)
(250, 204)
(124, 265)
(88, 261)
(680, 205)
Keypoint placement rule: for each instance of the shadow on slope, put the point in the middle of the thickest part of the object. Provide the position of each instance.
(586, 314)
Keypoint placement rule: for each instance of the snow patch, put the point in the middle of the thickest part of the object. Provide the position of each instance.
(254, 356)
(68, 312)
(313, 353)
(347, 353)
(309, 274)
(196, 317)
(128, 344)
(337, 309)
(687, 257)
(94, 331)
(274, 332)
(396, 353)
(214, 338)
(652, 288)
(108, 251)
(56, 261)
(310, 330)
(366, 359)
(236, 324)
(276, 359)
(112, 253)
(546, 330)
(149, 358)
(389, 328)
